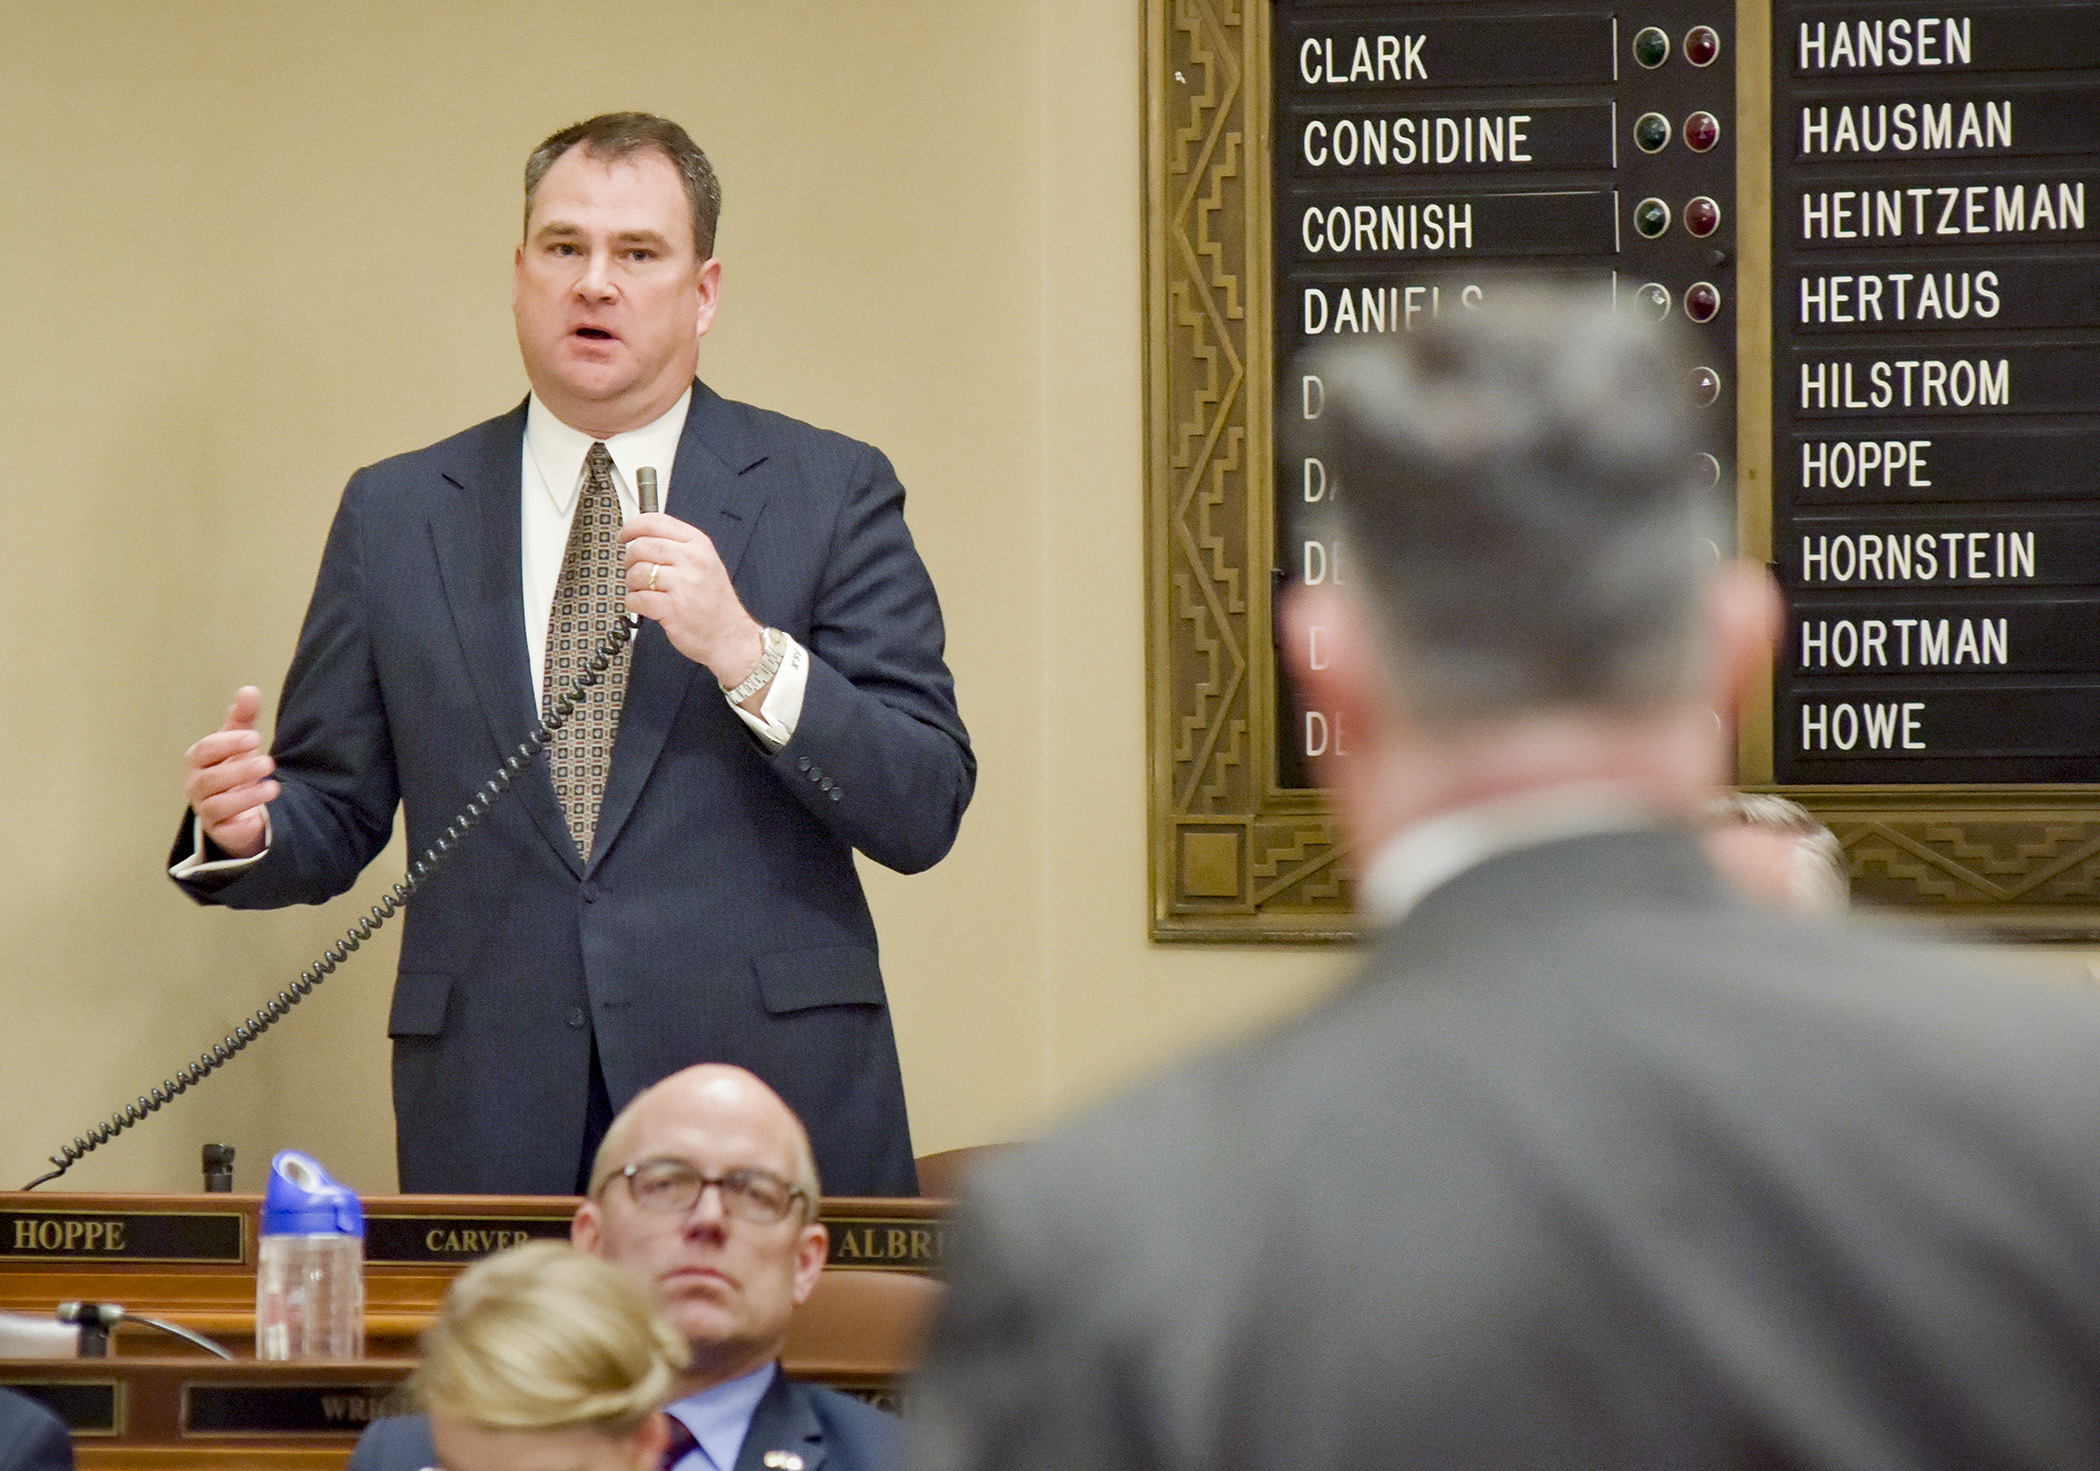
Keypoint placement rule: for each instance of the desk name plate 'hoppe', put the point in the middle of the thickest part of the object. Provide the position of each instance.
(123, 1236)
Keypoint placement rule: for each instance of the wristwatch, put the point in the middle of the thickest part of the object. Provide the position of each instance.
(769, 662)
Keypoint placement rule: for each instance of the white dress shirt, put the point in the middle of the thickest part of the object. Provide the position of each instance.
(550, 484)
(1430, 854)
(552, 476)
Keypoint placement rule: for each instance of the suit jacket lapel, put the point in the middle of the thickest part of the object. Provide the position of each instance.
(706, 492)
(786, 1422)
(477, 542)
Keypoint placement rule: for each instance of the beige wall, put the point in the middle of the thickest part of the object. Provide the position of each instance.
(254, 246)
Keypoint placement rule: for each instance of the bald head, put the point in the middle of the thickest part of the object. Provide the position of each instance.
(710, 1097)
(709, 1232)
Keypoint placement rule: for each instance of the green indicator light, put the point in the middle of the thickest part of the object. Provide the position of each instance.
(1652, 133)
(1651, 48)
(1651, 217)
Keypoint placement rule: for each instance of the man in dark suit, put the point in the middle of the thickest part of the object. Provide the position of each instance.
(31, 1437)
(706, 1192)
(676, 883)
(1595, 1163)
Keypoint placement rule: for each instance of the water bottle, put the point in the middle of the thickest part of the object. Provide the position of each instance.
(310, 1273)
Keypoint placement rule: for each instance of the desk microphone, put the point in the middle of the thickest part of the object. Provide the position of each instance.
(97, 1318)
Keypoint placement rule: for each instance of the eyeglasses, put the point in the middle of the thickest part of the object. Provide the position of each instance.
(666, 1185)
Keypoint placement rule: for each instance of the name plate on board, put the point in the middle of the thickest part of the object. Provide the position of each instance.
(285, 1409)
(122, 1236)
(901, 1245)
(86, 1409)
(451, 1240)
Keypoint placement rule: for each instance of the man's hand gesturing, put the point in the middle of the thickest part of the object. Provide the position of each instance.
(228, 780)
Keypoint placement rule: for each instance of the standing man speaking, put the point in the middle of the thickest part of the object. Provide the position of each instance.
(675, 884)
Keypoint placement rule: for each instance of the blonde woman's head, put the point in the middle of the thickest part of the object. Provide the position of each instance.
(542, 1354)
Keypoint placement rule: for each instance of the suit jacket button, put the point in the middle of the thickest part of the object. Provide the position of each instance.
(802, 763)
(590, 892)
(836, 794)
(575, 1016)
(826, 784)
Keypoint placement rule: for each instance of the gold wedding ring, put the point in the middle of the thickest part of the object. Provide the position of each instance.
(654, 568)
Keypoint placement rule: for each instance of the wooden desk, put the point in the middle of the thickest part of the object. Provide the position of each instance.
(191, 1258)
(203, 1414)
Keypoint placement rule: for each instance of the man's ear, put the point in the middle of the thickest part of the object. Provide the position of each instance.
(811, 1252)
(584, 1228)
(1320, 629)
(650, 1440)
(710, 284)
(1745, 616)
(1332, 649)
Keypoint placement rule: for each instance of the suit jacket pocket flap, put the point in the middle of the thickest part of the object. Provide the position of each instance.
(419, 1004)
(835, 975)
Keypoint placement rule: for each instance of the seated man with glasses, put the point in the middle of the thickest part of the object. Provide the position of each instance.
(705, 1192)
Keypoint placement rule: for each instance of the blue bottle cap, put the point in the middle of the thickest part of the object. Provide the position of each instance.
(305, 1200)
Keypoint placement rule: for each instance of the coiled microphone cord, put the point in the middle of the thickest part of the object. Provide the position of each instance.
(389, 904)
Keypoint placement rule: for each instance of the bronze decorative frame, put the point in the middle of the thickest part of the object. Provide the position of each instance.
(1233, 857)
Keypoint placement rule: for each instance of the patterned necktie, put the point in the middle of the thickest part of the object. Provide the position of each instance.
(682, 1444)
(588, 598)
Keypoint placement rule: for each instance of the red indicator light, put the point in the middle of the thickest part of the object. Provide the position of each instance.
(1706, 385)
(1701, 301)
(1702, 130)
(1702, 216)
(1701, 45)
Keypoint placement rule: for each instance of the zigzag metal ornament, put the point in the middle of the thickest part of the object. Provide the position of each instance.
(1234, 855)
(2020, 861)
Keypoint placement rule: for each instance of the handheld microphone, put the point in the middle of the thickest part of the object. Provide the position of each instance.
(645, 489)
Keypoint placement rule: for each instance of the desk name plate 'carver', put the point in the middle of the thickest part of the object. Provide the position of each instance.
(1904, 256)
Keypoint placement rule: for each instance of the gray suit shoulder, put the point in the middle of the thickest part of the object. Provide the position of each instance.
(401, 1443)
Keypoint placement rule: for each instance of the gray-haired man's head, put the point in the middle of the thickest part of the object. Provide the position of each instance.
(1519, 501)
